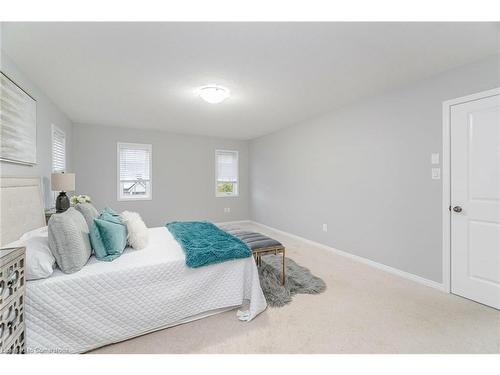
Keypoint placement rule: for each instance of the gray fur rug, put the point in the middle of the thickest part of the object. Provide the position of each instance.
(298, 280)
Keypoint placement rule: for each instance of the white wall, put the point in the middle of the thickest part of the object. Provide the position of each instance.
(47, 113)
(183, 174)
(365, 171)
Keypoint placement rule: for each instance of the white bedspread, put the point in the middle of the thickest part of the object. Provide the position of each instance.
(142, 291)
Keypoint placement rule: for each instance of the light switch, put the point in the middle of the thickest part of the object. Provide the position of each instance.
(436, 173)
(435, 158)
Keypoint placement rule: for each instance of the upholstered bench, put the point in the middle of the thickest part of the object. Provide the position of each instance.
(261, 245)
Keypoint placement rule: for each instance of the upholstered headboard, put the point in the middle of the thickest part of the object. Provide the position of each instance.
(21, 207)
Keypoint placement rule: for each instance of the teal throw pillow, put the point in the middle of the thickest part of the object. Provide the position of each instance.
(108, 236)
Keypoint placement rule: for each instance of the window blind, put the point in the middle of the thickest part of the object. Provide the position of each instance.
(134, 163)
(58, 150)
(227, 166)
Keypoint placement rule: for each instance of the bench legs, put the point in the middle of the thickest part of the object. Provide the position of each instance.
(283, 270)
(258, 260)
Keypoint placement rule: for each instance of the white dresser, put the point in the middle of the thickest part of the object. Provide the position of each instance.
(12, 287)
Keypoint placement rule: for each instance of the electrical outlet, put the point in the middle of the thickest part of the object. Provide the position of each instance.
(325, 228)
(227, 209)
(436, 173)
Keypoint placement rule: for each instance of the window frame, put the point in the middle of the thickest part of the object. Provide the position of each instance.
(54, 128)
(227, 195)
(142, 146)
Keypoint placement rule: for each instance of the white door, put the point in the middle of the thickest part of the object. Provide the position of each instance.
(475, 200)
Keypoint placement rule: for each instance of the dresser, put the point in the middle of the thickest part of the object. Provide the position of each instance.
(12, 287)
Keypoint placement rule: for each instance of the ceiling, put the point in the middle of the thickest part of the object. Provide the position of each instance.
(144, 75)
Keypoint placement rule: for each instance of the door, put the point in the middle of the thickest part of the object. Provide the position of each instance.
(475, 200)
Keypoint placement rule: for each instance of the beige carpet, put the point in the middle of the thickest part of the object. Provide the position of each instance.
(364, 310)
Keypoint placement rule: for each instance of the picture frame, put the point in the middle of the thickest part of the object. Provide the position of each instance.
(18, 127)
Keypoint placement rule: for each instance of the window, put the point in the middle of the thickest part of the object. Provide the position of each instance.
(58, 150)
(226, 173)
(134, 171)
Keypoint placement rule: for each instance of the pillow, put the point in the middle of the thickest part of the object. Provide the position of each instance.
(111, 217)
(108, 236)
(88, 211)
(39, 260)
(69, 240)
(110, 211)
(42, 231)
(138, 234)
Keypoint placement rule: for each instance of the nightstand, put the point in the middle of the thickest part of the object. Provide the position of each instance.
(12, 287)
(48, 214)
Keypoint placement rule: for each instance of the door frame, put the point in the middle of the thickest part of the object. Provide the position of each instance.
(446, 178)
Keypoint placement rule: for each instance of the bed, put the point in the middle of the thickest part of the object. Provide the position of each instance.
(140, 292)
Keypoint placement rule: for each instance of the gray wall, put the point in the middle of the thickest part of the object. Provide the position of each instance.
(365, 171)
(183, 174)
(46, 114)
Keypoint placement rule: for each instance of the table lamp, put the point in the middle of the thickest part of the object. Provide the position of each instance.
(62, 182)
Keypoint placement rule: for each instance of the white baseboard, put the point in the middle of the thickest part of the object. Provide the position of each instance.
(371, 263)
(234, 222)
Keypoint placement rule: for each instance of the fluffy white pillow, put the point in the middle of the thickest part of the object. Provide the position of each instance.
(39, 260)
(138, 234)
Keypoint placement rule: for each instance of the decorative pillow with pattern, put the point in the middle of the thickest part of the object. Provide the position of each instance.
(69, 240)
(88, 211)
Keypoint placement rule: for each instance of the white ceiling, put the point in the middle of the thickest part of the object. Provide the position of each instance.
(143, 75)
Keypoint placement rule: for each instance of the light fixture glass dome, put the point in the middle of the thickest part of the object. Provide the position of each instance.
(213, 94)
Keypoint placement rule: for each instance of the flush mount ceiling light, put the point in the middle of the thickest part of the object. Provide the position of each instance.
(213, 94)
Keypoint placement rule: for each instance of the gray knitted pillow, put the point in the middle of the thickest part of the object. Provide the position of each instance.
(89, 212)
(69, 240)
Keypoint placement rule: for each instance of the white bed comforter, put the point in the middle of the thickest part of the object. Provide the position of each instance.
(142, 291)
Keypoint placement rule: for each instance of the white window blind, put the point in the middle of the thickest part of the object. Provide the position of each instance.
(226, 167)
(58, 150)
(134, 171)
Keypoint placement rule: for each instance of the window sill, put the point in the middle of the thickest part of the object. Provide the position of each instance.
(134, 199)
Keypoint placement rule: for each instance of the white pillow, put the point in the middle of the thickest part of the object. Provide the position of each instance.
(138, 234)
(39, 259)
(42, 231)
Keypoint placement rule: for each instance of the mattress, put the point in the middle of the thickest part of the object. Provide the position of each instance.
(141, 291)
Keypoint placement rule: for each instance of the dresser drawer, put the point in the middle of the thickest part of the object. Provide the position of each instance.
(11, 322)
(12, 276)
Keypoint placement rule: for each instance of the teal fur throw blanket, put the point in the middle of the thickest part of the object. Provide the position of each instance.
(204, 243)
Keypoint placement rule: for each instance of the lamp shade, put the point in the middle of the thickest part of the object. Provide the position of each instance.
(62, 182)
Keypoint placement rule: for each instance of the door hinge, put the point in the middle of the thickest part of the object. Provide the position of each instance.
(449, 208)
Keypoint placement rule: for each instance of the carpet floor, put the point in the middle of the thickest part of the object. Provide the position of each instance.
(363, 310)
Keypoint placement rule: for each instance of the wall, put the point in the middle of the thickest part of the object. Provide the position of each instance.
(365, 171)
(46, 114)
(183, 174)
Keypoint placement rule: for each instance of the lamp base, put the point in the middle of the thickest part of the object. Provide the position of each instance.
(62, 202)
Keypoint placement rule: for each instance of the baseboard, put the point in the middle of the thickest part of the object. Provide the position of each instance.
(371, 263)
(234, 222)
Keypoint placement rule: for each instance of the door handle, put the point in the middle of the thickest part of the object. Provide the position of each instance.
(457, 209)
